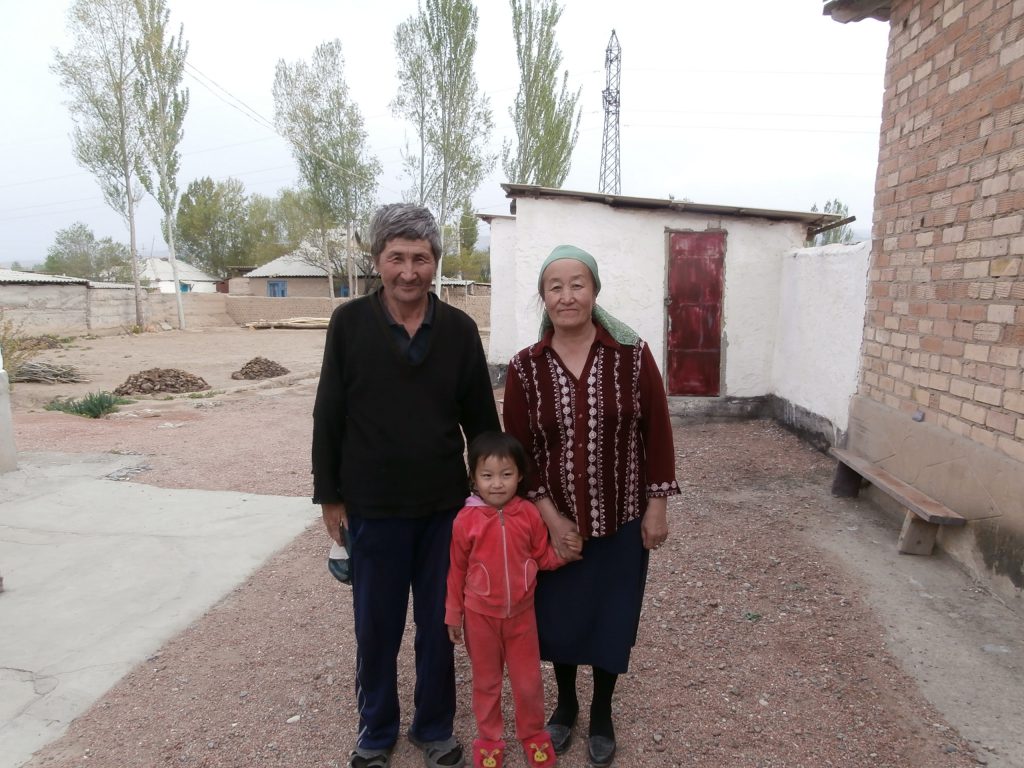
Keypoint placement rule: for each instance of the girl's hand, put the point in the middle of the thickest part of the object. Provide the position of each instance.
(558, 527)
(455, 634)
(561, 530)
(573, 541)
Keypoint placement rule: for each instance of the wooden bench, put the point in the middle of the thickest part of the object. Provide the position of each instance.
(924, 514)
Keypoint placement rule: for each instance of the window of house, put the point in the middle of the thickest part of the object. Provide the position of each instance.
(277, 288)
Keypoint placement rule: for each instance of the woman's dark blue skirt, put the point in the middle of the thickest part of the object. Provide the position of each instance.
(588, 611)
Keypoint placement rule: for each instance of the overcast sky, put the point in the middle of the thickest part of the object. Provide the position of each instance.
(747, 102)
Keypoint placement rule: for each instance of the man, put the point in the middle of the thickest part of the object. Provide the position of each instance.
(402, 372)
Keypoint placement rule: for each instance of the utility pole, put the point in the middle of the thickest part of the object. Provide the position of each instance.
(611, 167)
(353, 279)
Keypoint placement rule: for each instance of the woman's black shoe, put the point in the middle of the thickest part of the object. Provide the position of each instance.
(561, 737)
(600, 750)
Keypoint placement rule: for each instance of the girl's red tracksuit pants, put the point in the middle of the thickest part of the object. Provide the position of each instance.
(492, 644)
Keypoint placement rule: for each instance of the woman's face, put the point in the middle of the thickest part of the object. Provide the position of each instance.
(568, 292)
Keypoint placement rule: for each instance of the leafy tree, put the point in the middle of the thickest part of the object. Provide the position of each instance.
(161, 65)
(211, 225)
(843, 234)
(293, 212)
(77, 253)
(263, 233)
(99, 74)
(313, 111)
(547, 124)
(439, 94)
(16, 266)
(416, 102)
(469, 229)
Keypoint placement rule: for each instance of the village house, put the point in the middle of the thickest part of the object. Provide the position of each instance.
(741, 317)
(940, 402)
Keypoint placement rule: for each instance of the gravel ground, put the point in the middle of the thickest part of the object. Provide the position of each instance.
(756, 648)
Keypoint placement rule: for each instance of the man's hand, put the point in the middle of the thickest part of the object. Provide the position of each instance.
(334, 518)
(455, 634)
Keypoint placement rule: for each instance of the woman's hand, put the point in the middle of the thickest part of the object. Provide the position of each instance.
(655, 523)
(455, 634)
(559, 528)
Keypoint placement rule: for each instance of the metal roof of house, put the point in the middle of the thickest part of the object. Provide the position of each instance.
(857, 10)
(160, 270)
(807, 218)
(291, 265)
(15, 276)
(288, 265)
(103, 284)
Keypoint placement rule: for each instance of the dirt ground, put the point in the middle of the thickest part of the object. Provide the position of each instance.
(780, 627)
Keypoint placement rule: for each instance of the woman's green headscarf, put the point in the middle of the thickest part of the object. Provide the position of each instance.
(617, 329)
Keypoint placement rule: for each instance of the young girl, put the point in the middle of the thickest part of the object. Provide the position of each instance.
(499, 542)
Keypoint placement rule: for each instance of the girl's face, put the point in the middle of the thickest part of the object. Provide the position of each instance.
(496, 479)
(568, 293)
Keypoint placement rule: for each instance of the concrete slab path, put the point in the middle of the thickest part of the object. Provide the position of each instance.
(99, 574)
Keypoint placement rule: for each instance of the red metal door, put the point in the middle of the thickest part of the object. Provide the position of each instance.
(695, 288)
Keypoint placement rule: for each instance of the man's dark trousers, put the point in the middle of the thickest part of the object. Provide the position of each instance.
(390, 555)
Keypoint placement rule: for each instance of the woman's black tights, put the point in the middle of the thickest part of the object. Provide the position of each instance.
(567, 706)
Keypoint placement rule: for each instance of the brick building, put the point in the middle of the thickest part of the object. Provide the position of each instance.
(941, 397)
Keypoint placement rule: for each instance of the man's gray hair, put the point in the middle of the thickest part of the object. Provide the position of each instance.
(405, 220)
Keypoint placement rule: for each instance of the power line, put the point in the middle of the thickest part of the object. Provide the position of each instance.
(260, 120)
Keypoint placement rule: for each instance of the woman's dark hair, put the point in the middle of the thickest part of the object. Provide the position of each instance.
(499, 445)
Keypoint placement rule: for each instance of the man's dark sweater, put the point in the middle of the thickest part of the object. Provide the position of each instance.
(386, 432)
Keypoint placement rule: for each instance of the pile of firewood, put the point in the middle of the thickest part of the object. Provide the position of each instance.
(260, 368)
(161, 380)
(47, 373)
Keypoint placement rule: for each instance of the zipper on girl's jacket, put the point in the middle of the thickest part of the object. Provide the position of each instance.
(504, 549)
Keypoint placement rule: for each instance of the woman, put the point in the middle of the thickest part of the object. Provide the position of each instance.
(588, 403)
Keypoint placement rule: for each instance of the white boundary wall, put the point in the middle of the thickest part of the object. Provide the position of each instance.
(8, 455)
(822, 301)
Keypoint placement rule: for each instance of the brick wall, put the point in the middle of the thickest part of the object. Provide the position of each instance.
(945, 322)
(250, 309)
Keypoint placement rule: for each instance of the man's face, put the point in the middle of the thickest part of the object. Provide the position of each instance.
(406, 269)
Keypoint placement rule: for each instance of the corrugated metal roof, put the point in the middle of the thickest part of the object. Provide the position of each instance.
(288, 265)
(160, 270)
(119, 286)
(15, 276)
(291, 265)
(808, 218)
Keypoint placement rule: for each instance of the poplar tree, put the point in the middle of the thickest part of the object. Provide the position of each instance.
(161, 66)
(842, 234)
(313, 111)
(99, 75)
(546, 123)
(439, 93)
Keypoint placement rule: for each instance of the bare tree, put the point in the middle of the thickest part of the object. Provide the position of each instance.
(99, 74)
(161, 64)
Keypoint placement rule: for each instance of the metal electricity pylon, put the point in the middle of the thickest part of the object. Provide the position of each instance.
(611, 167)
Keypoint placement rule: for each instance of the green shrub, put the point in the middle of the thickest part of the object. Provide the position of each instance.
(93, 405)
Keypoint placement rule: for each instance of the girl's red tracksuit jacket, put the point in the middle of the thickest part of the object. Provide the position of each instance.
(495, 557)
